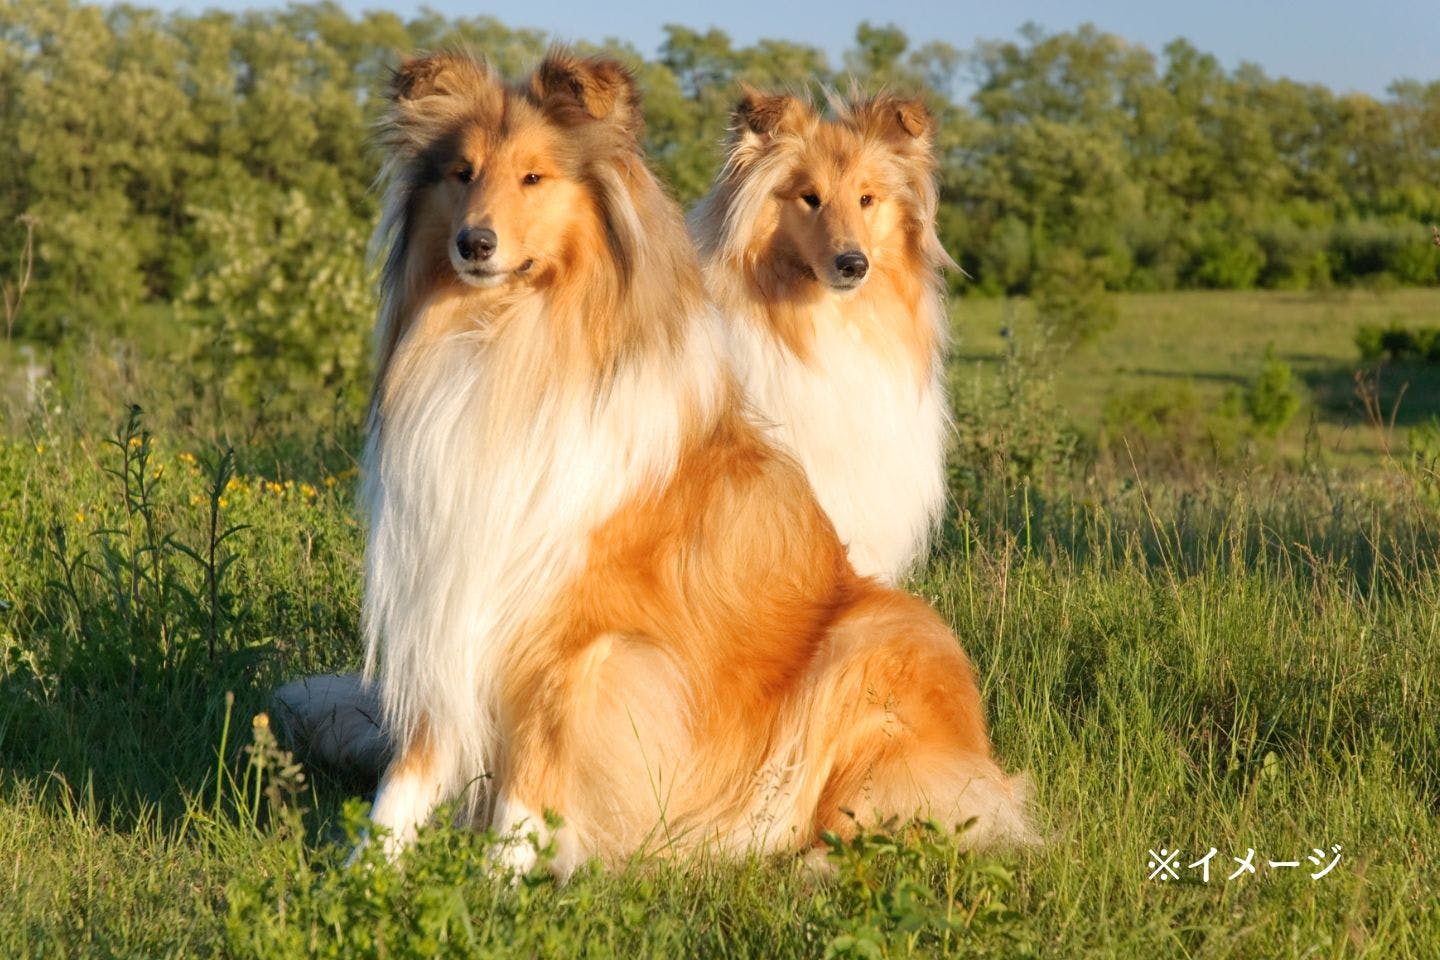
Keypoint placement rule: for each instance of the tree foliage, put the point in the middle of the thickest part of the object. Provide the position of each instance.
(156, 155)
(280, 300)
(1272, 398)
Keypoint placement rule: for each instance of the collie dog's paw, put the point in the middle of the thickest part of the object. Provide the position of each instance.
(514, 858)
(529, 842)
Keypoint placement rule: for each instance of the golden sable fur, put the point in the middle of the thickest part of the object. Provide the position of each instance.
(592, 586)
(819, 247)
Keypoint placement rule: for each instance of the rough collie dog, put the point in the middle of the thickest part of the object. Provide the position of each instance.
(592, 587)
(818, 244)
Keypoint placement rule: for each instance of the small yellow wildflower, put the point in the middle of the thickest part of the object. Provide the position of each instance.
(159, 471)
(232, 484)
(330, 481)
(185, 457)
(308, 490)
(223, 503)
(134, 441)
(39, 448)
(194, 499)
(79, 517)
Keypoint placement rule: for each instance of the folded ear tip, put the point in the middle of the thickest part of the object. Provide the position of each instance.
(603, 86)
(915, 117)
(763, 112)
(404, 76)
(436, 73)
(891, 117)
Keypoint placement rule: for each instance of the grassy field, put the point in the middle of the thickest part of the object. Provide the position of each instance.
(1244, 660)
(1214, 343)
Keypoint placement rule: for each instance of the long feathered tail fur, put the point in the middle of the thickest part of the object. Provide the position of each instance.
(333, 720)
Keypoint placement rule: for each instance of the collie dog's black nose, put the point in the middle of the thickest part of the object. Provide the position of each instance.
(478, 243)
(852, 265)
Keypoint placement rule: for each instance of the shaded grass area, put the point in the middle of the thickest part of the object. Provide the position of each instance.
(1245, 663)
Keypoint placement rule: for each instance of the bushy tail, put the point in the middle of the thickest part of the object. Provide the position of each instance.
(334, 720)
(995, 805)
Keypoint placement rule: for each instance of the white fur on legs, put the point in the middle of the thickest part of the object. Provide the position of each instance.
(523, 833)
(407, 797)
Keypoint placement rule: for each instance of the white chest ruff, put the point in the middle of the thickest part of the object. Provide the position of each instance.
(482, 486)
(870, 438)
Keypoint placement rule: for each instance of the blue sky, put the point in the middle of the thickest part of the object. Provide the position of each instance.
(1347, 46)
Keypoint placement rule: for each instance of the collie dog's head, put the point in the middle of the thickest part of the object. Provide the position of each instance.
(501, 194)
(830, 201)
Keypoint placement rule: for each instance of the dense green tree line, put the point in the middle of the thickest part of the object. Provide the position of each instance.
(220, 161)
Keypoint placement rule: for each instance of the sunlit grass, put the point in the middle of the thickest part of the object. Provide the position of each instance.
(1237, 662)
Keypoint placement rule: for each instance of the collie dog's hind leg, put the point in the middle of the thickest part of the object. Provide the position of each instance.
(907, 732)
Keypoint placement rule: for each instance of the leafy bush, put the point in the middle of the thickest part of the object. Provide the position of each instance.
(1427, 344)
(1071, 299)
(1226, 260)
(884, 899)
(1370, 341)
(1417, 259)
(1006, 261)
(1294, 256)
(1165, 428)
(1400, 251)
(372, 908)
(1398, 344)
(1361, 248)
(1272, 398)
(1012, 427)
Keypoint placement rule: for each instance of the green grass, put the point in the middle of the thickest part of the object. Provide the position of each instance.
(1214, 342)
(1241, 660)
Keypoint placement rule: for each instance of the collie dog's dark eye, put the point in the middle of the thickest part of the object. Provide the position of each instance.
(811, 200)
(866, 200)
(530, 179)
(464, 173)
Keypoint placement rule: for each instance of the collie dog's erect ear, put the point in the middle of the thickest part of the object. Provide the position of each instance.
(896, 119)
(441, 75)
(766, 114)
(582, 89)
(430, 93)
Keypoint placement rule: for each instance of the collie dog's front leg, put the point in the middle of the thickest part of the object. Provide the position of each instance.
(413, 785)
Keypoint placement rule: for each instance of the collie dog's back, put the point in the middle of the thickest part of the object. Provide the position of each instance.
(592, 587)
(818, 243)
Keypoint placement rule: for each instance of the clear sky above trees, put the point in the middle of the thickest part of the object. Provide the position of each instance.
(1344, 45)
